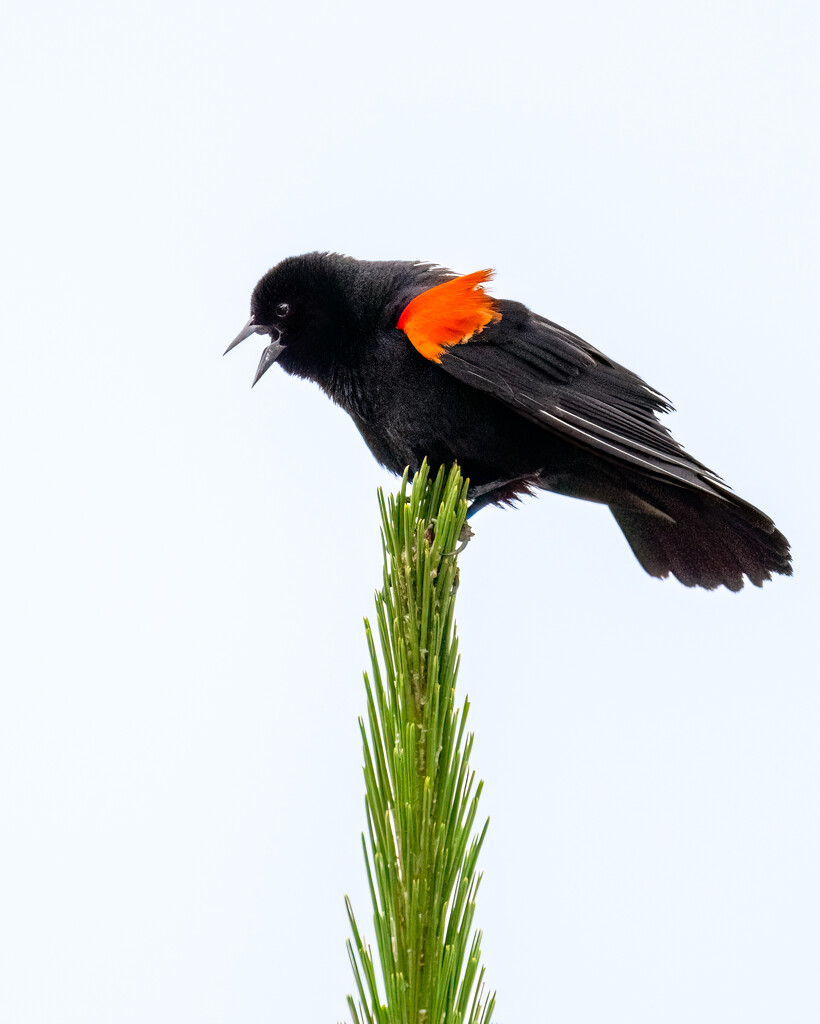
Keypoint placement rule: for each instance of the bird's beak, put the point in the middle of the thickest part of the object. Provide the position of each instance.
(249, 329)
(270, 354)
(269, 357)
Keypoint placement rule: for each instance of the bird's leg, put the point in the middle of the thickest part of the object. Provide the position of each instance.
(498, 492)
(479, 503)
(501, 492)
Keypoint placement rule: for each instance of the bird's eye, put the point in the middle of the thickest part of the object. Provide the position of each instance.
(282, 309)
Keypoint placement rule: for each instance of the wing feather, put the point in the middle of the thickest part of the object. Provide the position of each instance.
(555, 378)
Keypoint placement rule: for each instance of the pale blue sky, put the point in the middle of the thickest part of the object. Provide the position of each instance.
(183, 589)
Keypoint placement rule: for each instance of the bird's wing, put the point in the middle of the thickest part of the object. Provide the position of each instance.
(555, 378)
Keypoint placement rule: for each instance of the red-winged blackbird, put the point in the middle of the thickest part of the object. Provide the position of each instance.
(427, 364)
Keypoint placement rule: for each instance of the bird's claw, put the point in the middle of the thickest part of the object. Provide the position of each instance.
(464, 538)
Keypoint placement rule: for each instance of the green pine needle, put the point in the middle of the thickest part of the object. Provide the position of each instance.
(421, 797)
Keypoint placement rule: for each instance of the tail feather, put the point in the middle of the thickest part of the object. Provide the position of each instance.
(709, 542)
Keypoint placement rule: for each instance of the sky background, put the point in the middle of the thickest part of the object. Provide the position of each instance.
(186, 563)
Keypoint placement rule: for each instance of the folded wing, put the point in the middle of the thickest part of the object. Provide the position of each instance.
(556, 379)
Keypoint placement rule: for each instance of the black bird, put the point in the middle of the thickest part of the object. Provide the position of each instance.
(428, 364)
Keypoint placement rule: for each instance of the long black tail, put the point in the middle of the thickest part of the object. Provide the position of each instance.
(702, 540)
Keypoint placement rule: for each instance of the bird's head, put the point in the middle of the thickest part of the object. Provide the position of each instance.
(301, 305)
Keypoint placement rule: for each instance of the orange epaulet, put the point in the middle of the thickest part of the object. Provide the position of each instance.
(448, 314)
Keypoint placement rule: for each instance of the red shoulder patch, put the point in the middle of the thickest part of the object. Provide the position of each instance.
(448, 314)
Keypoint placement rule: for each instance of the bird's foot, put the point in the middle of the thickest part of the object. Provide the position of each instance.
(464, 538)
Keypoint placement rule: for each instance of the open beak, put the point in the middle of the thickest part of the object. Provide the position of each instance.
(270, 354)
(269, 357)
(249, 329)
